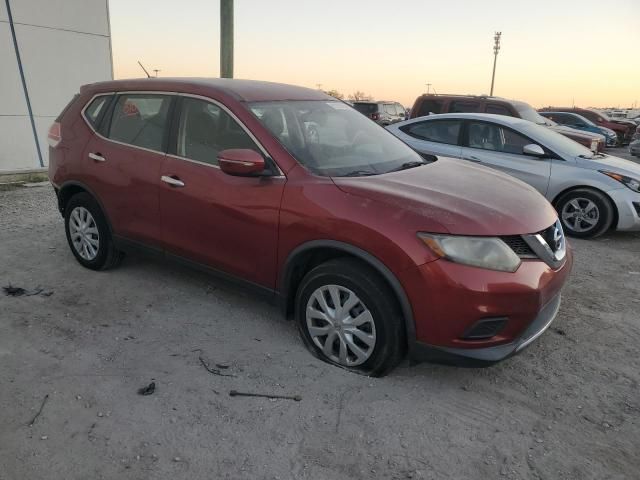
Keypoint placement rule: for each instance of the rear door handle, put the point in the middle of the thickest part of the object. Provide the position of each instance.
(174, 182)
(97, 157)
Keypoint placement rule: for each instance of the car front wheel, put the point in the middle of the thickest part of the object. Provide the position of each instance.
(348, 316)
(585, 213)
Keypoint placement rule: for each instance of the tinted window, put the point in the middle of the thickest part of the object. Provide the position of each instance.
(366, 108)
(441, 131)
(95, 108)
(460, 107)
(205, 129)
(488, 136)
(140, 120)
(430, 106)
(498, 110)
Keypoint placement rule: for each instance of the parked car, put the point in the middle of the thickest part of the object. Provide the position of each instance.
(373, 250)
(634, 147)
(623, 128)
(579, 122)
(383, 113)
(592, 192)
(433, 104)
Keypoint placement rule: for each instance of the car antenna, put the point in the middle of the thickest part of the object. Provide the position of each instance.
(145, 70)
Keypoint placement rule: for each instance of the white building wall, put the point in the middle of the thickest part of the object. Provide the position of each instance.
(63, 44)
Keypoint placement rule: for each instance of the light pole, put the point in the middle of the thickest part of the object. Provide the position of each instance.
(226, 38)
(496, 49)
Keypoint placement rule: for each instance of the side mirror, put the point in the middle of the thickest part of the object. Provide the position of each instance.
(241, 162)
(533, 150)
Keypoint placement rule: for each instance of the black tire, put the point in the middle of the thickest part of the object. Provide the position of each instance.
(375, 295)
(107, 255)
(606, 212)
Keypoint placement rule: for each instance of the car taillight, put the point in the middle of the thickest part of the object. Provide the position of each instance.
(375, 116)
(55, 134)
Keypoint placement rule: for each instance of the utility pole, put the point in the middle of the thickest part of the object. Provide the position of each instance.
(428, 88)
(496, 49)
(226, 38)
(156, 70)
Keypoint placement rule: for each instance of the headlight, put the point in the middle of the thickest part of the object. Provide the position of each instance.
(628, 182)
(483, 252)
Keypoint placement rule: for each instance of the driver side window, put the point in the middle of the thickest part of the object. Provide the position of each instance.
(205, 129)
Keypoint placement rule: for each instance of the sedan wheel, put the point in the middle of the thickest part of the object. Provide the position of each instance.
(581, 214)
(341, 325)
(585, 212)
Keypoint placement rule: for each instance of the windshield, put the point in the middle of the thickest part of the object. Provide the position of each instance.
(556, 142)
(332, 139)
(527, 112)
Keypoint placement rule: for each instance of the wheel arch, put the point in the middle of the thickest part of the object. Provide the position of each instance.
(68, 189)
(312, 253)
(614, 223)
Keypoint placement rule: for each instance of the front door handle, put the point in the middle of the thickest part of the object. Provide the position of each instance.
(97, 157)
(174, 182)
(473, 159)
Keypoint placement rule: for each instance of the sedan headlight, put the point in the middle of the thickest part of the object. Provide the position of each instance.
(483, 252)
(628, 182)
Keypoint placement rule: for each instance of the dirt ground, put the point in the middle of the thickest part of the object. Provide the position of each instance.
(568, 407)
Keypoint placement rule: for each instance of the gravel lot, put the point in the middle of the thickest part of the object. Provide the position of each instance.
(566, 408)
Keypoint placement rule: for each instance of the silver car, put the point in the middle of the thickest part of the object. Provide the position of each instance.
(592, 192)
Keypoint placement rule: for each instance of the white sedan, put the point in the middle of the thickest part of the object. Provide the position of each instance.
(592, 192)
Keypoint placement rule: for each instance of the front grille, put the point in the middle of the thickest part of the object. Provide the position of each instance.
(519, 246)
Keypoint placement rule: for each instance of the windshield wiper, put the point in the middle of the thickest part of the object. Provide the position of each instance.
(408, 165)
(359, 173)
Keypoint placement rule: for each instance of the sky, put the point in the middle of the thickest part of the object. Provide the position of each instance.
(553, 52)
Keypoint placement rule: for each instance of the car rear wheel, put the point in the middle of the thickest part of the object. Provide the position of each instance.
(348, 316)
(88, 233)
(585, 213)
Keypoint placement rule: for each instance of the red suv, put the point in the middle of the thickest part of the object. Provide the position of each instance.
(623, 128)
(371, 248)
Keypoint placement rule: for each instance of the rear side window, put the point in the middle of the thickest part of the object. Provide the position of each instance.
(441, 131)
(95, 109)
(489, 136)
(140, 120)
(461, 107)
(205, 130)
(366, 108)
(497, 110)
(427, 107)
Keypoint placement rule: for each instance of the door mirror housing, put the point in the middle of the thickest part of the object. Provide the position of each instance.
(241, 162)
(533, 150)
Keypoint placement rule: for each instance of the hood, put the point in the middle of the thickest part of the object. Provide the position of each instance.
(627, 123)
(613, 164)
(464, 198)
(564, 130)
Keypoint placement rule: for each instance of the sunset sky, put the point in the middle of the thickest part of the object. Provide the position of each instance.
(553, 52)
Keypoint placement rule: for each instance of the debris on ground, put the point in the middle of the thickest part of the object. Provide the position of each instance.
(12, 291)
(33, 420)
(235, 393)
(148, 390)
(559, 331)
(213, 371)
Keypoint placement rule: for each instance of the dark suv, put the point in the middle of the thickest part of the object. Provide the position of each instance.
(383, 113)
(430, 104)
(293, 193)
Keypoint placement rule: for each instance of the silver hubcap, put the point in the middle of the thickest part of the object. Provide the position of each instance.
(340, 324)
(580, 214)
(84, 233)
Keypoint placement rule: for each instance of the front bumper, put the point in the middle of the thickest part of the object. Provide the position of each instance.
(628, 206)
(449, 300)
(482, 357)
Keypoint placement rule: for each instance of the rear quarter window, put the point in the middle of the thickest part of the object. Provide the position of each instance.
(95, 110)
(441, 131)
